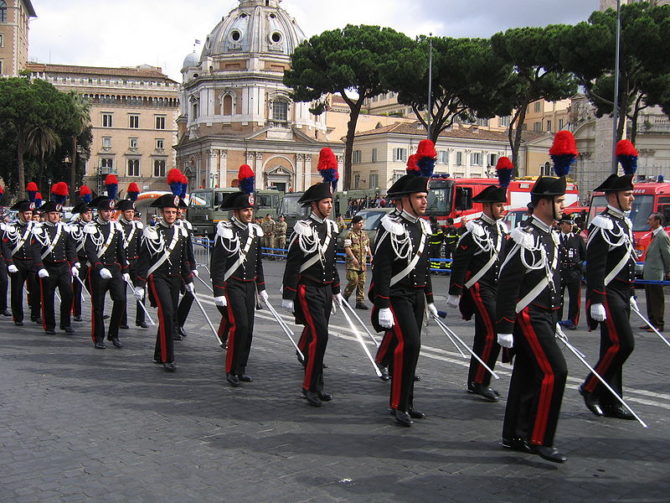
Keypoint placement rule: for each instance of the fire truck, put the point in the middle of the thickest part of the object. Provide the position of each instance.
(650, 197)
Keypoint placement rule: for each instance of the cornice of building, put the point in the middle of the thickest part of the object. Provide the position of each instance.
(128, 72)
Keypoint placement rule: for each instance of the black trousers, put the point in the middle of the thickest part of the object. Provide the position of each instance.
(436, 252)
(572, 281)
(77, 289)
(616, 345)
(4, 286)
(60, 277)
(655, 305)
(25, 275)
(241, 304)
(485, 344)
(164, 294)
(139, 312)
(314, 305)
(404, 346)
(99, 288)
(184, 306)
(538, 379)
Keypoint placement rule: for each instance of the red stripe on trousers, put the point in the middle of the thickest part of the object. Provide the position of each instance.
(547, 386)
(490, 332)
(311, 349)
(90, 286)
(232, 332)
(606, 360)
(161, 321)
(396, 375)
(44, 317)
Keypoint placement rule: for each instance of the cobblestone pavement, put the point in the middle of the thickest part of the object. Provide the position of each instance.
(78, 424)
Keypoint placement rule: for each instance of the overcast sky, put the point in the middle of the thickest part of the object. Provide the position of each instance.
(162, 32)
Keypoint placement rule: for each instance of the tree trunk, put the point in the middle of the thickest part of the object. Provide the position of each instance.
(355, 111)
(73, 169)
(20, 151)
(515, 139)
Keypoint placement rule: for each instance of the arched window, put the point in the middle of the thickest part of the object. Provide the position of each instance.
(280, 110)
(227, 105)
(3, 11)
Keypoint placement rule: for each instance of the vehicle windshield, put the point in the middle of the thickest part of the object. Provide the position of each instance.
(264, 201)
(201, 199)
(513, 218)
(643, 206)
(371, 219)
(289, 206)
(439, 200)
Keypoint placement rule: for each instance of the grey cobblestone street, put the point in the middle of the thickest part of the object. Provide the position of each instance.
(78, 424)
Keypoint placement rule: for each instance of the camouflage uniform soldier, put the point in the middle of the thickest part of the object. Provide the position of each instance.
(268, 227)
(280, 229)
(357, 249)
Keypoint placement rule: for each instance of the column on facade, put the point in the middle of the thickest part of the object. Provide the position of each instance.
(212, 167)
(467, 152)
(223, 168)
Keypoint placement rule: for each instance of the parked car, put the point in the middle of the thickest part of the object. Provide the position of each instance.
(372, 219)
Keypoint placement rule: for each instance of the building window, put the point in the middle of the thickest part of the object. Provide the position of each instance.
(548, 125)
(0, 65)
(106, 120)
(483, 122)
(560, 124)
(160, 144)
(357, 180)
(196, 111)
(106, 165)
(356, 159)
(228, 105)
(459, 158)
(133, 121)
(3, 11)
(2, 40)
(399, 154)
(537, 126)
(160, 122)
(132, 143)
(538, 106)
(504, 121)
(374, 155)
(133, 167)
(159, 168)
(493, 159)
(106, 142)
(280, 111)
(443, 157)
(374, 181)
(476, 159)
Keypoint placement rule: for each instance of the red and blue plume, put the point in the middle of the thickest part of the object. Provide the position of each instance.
(112, 186)
(504, 168)
(246, 179)
(412, 166)
(174, 181)
(38, 200)
(59, 192)
(2, 193)
(184, 184)
(626, 154)
(85, 194)
(133, 191)
(327, 167)
(563, 152)
(426, 157)
(32, 190)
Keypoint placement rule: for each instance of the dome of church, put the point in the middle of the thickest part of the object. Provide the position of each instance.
(255, 26)
(191, 60)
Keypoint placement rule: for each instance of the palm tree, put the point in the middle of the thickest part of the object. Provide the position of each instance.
(81, 118)
(41, 141)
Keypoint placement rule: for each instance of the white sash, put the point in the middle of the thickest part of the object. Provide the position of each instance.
(22, 239)
(130, 236)
(242, 255)
(412, 263)
(166, 252)
(110, 238)
(482, 271)
(320, 252)
(617, 268)
(53, 243)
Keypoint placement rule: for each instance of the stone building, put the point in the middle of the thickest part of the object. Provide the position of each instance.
(14, 19)
(235, 108)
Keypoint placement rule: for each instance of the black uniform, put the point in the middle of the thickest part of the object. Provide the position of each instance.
(104, 249)
(474, 277)
(610, 272)
(132, 232)
(401, 282)
(77, 234)
(310, 281)
(527, 306)
(162, 267)
(237, 272)
(4, 278)
(187, 299)
(56, 255)
(20, 249)
(572, 254)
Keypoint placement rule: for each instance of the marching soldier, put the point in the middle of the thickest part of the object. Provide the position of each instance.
(280, 230)
(20, 250)
(132, 235)
(572, 253)
(187, 299)
(401, 287)
(237, 273)
(610, 273)
(268, 227)
(527, 305)
(103, 243)
(56, 264)
(311, 282)
(4, 277)
(83, 215)
(474, 276)
(357, 251)
(162, 267)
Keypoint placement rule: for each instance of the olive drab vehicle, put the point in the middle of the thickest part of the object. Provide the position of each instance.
(204, 212)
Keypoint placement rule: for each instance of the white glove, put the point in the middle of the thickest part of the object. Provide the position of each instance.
(288, 305)
(337, 301)
(75, 272)
(43, 273)
(386, 318)
(633, 304)
(195, 273)
(190, 287)
(506, 340)
(12, 269)
(220, 301)
(453, 300)
(138, 293)
(263, 295)
(77, 265)
(126, 277)
(432, 309)
(598, 312)
(105, 274)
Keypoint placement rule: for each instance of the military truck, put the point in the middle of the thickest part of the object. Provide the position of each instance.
(204, 212)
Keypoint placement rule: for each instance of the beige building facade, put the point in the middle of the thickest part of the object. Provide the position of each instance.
(14, 24)
(133, 116)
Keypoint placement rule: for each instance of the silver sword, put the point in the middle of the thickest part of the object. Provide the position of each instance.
(144, 308)
(361, 341)
(637, 311)
(209, 322)
(289, 333)
(353, 311)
